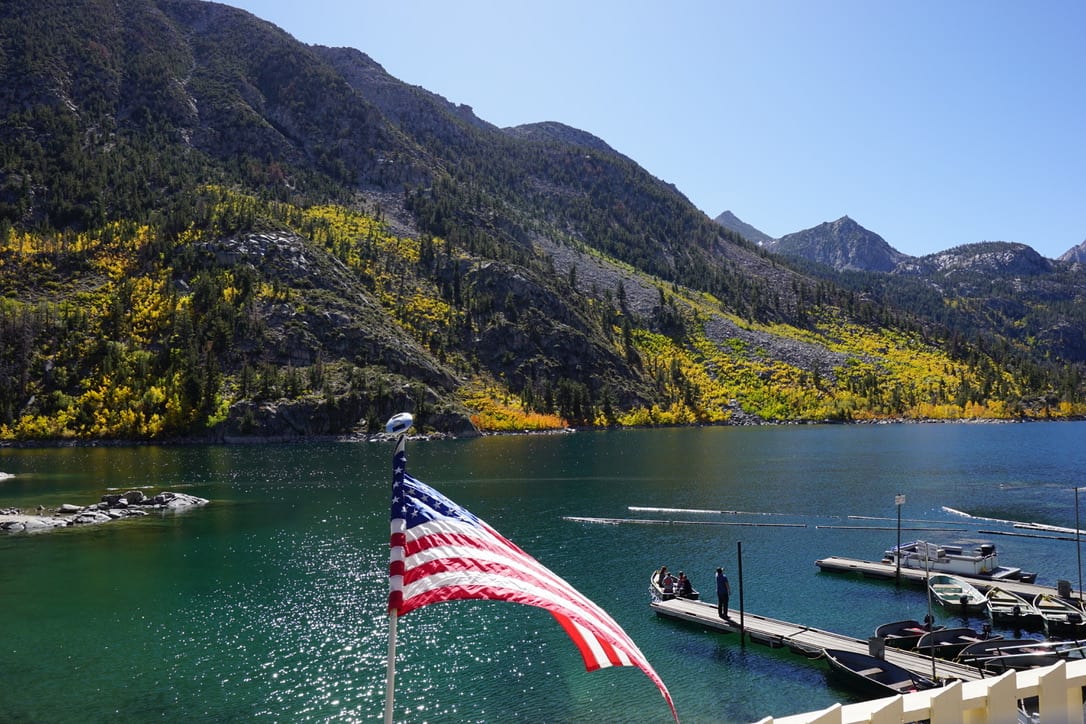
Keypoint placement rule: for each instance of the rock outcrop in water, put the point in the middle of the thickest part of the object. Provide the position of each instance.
(113, 506)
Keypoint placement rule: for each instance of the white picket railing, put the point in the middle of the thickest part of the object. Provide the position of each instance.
(1057, 688)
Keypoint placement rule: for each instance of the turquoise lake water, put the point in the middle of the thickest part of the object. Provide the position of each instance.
(269, 603)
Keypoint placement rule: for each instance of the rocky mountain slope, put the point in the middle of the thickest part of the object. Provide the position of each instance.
(843, 245)
(1076, 253)
(977, 290)
(211, 230)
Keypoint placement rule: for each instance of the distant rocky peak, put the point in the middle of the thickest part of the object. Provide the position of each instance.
(842, 244)
(1075, 254)
(732, 222)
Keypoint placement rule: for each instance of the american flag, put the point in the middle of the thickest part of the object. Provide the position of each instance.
(442, 552)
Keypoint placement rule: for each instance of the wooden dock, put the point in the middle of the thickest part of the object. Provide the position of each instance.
(803, 640)
(878, 569)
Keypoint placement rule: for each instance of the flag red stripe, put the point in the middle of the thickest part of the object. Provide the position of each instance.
(587, 653)
(537, 575)
(490, 569)
(592, 661)
(553, 593)
(486, 542)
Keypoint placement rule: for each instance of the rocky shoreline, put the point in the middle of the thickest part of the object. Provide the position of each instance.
(738, 418)
(112, 506)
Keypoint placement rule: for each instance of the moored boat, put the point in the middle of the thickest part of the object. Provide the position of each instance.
(661, 586)
(981, 562)
(873, 675)
(667, 587)
(949, 642)
(1063, 619)
(956, 593)
(904, 634)
(1019, 654)
(994, 647)
(1010, 609)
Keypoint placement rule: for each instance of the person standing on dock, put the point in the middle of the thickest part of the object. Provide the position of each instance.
(723, 591)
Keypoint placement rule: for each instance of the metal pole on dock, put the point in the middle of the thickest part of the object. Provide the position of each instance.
(1078, 547)
(742, 630)
(930, 620)
(899, 500)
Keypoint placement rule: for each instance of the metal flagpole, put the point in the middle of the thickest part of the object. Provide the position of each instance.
(390, 682)
(399, 424)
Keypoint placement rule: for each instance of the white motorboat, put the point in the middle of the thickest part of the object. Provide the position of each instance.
(981, 562)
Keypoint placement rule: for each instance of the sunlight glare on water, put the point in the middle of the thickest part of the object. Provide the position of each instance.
(269, 604)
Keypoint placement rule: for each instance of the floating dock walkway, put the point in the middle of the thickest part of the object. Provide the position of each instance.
(878, 569)
(803, 639)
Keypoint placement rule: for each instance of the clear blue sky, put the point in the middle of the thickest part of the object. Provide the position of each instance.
(933, 123)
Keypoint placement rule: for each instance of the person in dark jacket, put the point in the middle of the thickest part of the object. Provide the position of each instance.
(686, 588)
(723, 591)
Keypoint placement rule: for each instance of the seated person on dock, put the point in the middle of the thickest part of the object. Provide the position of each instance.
(686, 588)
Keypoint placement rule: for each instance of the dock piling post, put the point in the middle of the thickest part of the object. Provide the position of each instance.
(742, 629)
(899, 500)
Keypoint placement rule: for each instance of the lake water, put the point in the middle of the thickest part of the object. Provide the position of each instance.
(269, 604)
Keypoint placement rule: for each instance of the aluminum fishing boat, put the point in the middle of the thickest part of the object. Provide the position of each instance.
(663, 589)
(956, 593)
(1063, 619)
(1009, 609)
(873, 675)
(1019, 654)
(949, 642)
(904, 634)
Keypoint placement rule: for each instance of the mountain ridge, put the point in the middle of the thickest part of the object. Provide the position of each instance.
(730, 221)
(272, 240)
(1005, 285)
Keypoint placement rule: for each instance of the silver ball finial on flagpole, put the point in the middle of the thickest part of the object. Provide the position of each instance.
(399, 423)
